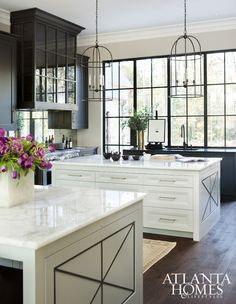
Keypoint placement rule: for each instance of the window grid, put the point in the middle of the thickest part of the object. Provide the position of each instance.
(188, 117)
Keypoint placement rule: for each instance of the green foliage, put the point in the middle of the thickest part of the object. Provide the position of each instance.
(139, 120)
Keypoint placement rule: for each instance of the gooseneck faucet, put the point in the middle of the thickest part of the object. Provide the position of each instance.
(183, 135)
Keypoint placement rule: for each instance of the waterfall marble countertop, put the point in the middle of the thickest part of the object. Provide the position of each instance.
(56, 212)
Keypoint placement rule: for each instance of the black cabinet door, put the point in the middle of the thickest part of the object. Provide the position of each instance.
(7, 82)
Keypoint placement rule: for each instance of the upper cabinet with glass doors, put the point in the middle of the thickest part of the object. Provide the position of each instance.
(46, 60)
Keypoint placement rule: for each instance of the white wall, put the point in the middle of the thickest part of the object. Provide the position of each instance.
(141, 48)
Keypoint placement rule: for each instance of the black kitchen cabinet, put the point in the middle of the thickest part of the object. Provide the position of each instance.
(82, 80)
(228, 164)
(74, 119)
(46, 54)
(7, 81)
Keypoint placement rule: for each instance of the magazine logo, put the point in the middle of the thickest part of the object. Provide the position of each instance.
(200, 285)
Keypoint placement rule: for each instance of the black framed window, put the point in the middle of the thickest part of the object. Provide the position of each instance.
(139, 82)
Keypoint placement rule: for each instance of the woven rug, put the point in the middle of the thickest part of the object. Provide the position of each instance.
(154, 250)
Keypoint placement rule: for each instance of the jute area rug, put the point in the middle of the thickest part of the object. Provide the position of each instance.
(154, 250)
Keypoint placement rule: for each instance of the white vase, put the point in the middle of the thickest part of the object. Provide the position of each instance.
(16, 191)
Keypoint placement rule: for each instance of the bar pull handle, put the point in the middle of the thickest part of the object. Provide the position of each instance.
(167, 198)
(162, 219)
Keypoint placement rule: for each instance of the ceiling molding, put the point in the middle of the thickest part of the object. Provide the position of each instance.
(157, 32)
(4, 17)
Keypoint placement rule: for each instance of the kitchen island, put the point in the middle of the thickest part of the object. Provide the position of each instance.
(76, 246)
(183, 199)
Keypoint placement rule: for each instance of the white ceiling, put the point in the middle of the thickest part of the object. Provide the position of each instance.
(123, 15)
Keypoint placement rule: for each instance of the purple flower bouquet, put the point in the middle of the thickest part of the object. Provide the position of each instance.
(19, 156)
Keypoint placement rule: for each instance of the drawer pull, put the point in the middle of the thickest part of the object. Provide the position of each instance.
(162, 219)
(167, 198)
(75, 175)
(167, 181)
(119, 178)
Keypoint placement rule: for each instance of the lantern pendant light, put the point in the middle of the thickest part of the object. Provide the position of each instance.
(96, 67)
(186, 66)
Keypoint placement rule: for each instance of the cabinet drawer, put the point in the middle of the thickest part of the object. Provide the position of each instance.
(119, 178)
(166, 197)
(179, 220)
(74, 175)
(168, 180)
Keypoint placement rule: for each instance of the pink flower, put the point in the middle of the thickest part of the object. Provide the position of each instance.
(14, 174)
(29, 137)
(52, 148)
(3, 169)
(2, 132)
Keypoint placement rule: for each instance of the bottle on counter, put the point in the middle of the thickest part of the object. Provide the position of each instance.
(52, 139)
(46, 142)
(63, 139)
(70, 144)
(67, 143)
(49, 139)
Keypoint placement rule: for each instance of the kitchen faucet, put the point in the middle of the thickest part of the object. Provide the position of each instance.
(183, 135)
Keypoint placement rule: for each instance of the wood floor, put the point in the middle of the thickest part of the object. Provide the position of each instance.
(215, 253)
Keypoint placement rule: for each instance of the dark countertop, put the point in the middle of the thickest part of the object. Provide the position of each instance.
(176, 150)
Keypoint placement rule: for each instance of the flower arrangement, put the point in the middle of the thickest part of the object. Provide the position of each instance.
(21, 155)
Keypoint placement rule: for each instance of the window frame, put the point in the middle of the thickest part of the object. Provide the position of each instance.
(168, 117)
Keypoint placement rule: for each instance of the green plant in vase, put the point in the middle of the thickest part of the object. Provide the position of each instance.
(139, 122)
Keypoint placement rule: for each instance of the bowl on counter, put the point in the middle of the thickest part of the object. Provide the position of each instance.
(125, 157)
(59, 146)
(115, 156)
(107, 155)
(136, 157)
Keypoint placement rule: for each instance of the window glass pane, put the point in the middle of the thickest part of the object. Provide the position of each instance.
(231, 131)
(51, 90)
(215, 68)
(230, 66)
(178, 106)
(71, 39)
(61, 91)
(124, 133)
(61, 42)
(159, 72)
(112, 106)
(40, 62)
(144, 73)
(51, 39)
(196, 106)
(112, 131)
(112, 148)
(126, 74)
(176, 123)
(216, 131)
(215, 100)
(115, 68)
(196, 131)
(231, 99)
(71, 69)
(52, 65)
(71, 92)
(40, 36)
(40, 88)
(61, 70)
(144, 98)
(126, 102)
(160, 101)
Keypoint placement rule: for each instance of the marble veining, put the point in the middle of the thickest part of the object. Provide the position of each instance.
(56, 212)
(98, 160)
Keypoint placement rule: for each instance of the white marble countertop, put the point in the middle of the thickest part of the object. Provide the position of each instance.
(57, 212)
(98, 160)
